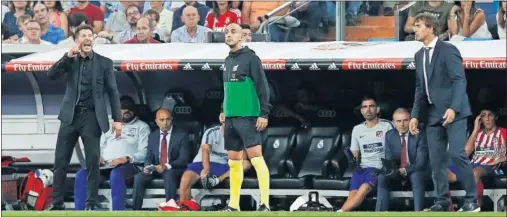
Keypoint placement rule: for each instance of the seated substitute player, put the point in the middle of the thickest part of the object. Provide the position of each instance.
(488, 144)
(367, 146)
(211, 161)
(246, 110)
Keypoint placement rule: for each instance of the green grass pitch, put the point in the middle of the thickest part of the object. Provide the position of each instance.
(239, 214)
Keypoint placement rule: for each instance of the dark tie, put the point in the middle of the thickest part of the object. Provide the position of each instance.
(427, 59)
(163, 149)
(404, 160)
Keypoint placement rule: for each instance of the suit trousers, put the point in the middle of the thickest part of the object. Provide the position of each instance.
(384, 193)
(171, 179)
(444, 144)
(84, 125)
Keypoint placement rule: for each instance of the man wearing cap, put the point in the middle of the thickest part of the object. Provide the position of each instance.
(118, 156)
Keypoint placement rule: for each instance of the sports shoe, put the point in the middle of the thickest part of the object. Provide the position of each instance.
(229, 209)
(263, 208)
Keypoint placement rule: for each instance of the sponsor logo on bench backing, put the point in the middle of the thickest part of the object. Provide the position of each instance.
(493, 63)
(274, 64)
(28, 66)
(149, 65)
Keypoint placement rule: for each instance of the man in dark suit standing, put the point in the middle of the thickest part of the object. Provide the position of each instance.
(167, 157)
(83, 112)
(441, 92)
(410, 154)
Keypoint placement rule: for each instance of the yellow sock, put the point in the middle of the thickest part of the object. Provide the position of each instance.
(236, 180)
(263, 177)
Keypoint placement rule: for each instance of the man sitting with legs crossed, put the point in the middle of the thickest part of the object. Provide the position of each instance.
(211, 161)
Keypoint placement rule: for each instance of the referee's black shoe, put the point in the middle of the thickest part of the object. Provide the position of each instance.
(229, 209)
(263, 208)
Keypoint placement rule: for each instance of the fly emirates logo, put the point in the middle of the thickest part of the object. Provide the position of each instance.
(485, 64)
(366, 65)
(148, 66)
(28, 67)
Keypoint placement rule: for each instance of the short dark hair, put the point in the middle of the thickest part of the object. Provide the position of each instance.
(131, 6)
(76, 19)
(429, 21)
(83, 27)
(245, 26)
(153, 12)
(366, 98)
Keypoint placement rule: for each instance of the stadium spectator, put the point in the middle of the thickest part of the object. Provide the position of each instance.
(5, 32)
(50, 33)
(32, 33)
(166, 158)
(154, 16)
(165, 22)
(117, 20)
(468, 21)
(210, 164)
(22, 21)
(76, 20)
(178, 14)
(501, 19)
(253, 13)
(221, 15)
(311, 17)
(94, 14)
(305, 106)
(246, 32)
(144, 29)
(439, 9)
(17, 8)
(367, 146)
(191, 32)
(56, 15)
(410, 154)
(236, 7)
(118, 155)
(4, 10)
(488, 143)
(132, 12)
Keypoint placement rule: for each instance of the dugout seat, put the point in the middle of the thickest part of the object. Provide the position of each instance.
(310, 157)
(183, 117)
(277, 145)
(333, 179)
(210, 106)
(145, 114)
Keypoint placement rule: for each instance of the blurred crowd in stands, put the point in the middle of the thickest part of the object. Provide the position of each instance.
(53, 22)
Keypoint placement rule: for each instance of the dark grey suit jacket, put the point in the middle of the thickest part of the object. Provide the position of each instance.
(178, 150)
(446, 82)
(417, 149)
(104, 81)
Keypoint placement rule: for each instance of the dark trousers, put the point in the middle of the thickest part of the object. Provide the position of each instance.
(141, 180)
(83, 125)
(454, 136)
(384, 193)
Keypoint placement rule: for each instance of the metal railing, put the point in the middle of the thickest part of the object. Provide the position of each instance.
(397, 21)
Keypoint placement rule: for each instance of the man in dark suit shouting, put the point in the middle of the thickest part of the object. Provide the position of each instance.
(167, 157)
(410, 154)
(441, 92)
(83, 112)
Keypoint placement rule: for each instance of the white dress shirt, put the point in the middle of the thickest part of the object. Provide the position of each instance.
(432, 46)
(406, 141)
(168, 139)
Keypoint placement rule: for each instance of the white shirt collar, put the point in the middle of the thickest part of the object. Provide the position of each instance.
(168, 132)
(432, 43)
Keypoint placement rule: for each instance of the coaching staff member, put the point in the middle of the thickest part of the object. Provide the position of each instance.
(246, 109)
(83, 112)
(441, 91)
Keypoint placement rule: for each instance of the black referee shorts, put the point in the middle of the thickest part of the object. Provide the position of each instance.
(241, 133)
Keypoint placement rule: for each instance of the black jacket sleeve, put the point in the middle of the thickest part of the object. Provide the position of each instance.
(261, 85)
(112, 91)
(59, 68)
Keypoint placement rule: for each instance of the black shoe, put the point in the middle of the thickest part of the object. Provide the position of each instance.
(470, 207)
(263, 208)
(437, 207)
(229, 209)
(90, 208)
(52, 207)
